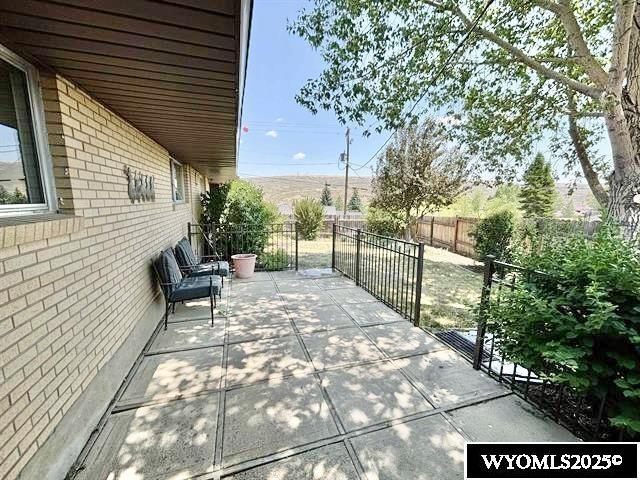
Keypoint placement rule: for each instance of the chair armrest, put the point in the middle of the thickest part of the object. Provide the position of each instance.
(215, 257)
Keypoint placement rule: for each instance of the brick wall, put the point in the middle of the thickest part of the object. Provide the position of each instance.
(69, 301)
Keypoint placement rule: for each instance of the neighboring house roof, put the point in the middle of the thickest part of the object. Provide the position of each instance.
(329, 210)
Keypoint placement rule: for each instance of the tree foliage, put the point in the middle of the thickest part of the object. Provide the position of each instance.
(496, 235)
(383, 221)
(325, 198)
(528, 70)
(419, 172)
(355, 203)
(309, 216)
(7, 198)
(538, 194)
(241, 216)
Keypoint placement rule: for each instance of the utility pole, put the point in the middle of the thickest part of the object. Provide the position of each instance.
(346, 174)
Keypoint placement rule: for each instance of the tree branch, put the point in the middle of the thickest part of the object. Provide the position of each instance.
(583, 156)
(522, 57)
(625, 11)
(577, 42)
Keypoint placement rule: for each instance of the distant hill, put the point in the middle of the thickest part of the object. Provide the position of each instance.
(286, 189)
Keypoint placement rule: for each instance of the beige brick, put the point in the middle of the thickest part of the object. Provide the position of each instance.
(77, 287)
(24, 288)
(21, 261)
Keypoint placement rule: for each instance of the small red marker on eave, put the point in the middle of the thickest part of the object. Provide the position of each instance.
(245, 129)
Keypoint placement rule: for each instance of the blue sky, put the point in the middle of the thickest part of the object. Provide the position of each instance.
(283, 137)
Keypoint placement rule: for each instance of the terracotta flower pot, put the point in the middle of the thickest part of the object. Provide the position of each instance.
(245, 264)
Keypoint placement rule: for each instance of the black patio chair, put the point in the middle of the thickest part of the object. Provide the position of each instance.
(177, 288)
(193, 266)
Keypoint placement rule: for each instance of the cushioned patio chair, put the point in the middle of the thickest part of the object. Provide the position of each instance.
(193, 266)
(177, 288)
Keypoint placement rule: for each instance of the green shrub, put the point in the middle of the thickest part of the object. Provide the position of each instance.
(579, 324)
(495, 234)
(278, 260)
(244, 218)
(384, 222)
(213, 203)
(309, 213)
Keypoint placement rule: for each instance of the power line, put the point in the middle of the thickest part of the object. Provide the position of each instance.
(285, 164)
(435, 77)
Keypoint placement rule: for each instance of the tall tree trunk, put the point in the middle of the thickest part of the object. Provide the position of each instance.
(624, 182)
(583, 156)
(407, 227)
(623, 120)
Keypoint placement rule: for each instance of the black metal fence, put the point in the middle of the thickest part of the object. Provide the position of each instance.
(388, 268)
(583, 415)
(275, 244)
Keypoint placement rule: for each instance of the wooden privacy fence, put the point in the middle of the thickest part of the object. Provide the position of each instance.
(452, 233)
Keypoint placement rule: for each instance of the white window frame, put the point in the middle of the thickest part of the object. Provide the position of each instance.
(173, 191)
(40, 139)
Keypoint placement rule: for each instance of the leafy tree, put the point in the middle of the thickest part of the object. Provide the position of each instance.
(309, 215)
(507, 73)
(419, 172)
(338, 202)
(538, 195)
(243, 219)
(355, 203)
(325, 198)
(213, 203)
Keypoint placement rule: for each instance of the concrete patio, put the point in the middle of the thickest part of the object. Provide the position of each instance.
(302, 378)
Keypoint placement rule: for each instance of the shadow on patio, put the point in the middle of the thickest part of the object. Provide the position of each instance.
(306, 378)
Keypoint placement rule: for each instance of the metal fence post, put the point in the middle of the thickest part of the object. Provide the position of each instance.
(358, 257)
(333, 247)
(484, 305)
(189, 232)
(418, 299)
(295, 226)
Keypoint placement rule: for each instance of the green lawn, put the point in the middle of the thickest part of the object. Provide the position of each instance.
(449, 290)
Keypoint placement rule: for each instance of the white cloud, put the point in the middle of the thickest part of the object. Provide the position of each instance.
(272, 134)
(279, 120)
(299, 156)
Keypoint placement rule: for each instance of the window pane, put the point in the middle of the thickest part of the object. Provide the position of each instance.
(178, 182)
(20, 181)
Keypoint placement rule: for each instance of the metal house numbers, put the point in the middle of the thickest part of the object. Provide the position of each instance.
(141, 187)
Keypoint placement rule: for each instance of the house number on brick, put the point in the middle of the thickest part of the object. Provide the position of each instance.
(141, 187)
